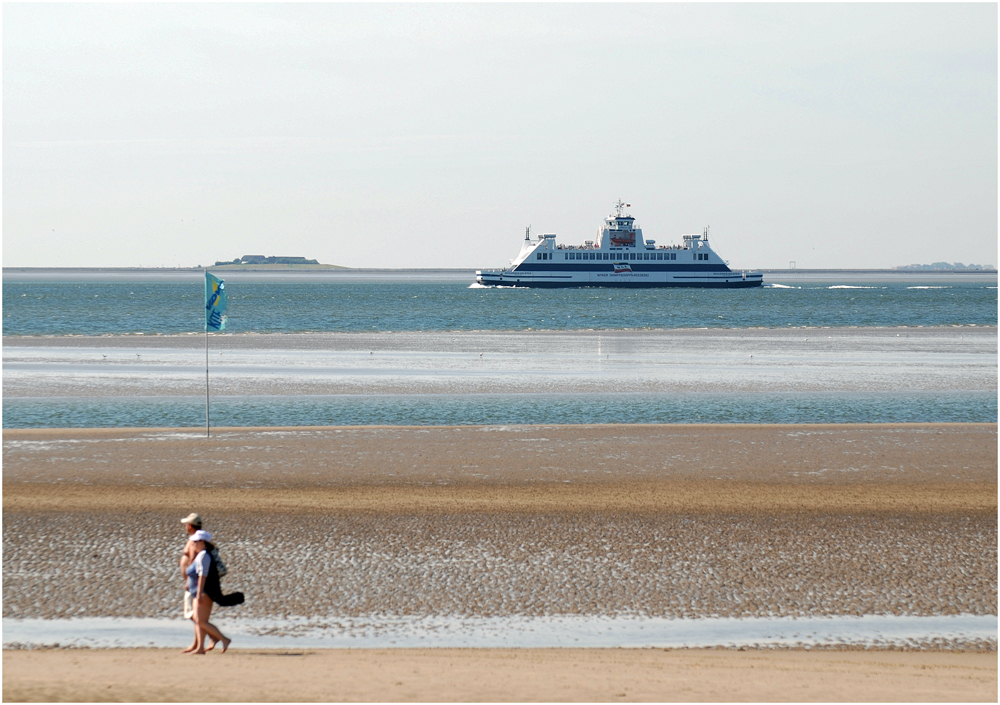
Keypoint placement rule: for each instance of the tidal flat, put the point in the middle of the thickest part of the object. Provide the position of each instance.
(610, 521)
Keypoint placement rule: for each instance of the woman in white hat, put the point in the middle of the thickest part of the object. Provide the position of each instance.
(198, 574)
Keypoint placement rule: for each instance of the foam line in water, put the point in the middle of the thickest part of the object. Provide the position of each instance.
(517, 632)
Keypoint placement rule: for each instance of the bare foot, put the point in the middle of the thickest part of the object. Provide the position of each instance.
(202, 652)
(211, 644)
(189, 649)
(225, 644)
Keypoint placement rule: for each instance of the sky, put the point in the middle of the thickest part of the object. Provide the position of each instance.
(431, 135)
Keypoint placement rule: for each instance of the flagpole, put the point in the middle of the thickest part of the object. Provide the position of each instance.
(207, 417)
(207, 422)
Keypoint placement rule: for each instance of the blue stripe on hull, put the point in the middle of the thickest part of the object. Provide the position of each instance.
(741, 284)
(605, 267)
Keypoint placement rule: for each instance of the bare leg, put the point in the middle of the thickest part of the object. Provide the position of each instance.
(204, 610)
(194, 644)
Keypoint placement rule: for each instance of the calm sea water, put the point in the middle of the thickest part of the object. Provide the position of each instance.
(502, 409)
(267, 305)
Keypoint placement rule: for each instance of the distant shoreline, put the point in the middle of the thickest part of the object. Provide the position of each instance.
(331, 268)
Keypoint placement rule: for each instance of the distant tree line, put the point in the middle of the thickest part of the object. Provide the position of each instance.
(947, 266)
(261, 259)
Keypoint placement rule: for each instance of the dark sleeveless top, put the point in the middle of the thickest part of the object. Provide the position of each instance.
(214, 590)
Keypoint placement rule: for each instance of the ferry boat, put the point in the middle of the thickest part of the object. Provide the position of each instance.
(618, 257)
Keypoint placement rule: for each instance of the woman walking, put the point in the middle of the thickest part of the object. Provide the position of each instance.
(203, 584)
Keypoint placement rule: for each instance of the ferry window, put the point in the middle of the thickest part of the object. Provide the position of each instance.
(538, 255)
(607, 255)
(591, 255)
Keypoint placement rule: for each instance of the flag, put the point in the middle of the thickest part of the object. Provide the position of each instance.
(215, 303)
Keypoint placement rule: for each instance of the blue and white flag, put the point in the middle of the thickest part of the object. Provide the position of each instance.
(215, 303)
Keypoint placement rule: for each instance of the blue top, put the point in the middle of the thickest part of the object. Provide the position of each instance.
(199, 566)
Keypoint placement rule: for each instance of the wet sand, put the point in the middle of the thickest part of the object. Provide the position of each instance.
(867, 360)
(496, 675)
(665, 521)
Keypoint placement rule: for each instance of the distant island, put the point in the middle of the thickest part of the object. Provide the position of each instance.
(261, 259)
(947, 267)
(267, 262)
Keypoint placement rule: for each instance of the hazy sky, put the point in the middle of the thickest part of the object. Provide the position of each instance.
(431, 135)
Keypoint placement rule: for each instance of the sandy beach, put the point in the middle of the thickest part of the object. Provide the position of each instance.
(676, 522)
(517, 675)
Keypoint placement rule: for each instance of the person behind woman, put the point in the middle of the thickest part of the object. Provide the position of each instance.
(192, 523)
(199, 573)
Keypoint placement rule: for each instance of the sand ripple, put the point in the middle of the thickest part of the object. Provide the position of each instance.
(512, 564)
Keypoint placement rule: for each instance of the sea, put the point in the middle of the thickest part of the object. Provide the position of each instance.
(103, 349)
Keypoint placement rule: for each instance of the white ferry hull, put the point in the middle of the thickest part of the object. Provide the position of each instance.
(608, 278)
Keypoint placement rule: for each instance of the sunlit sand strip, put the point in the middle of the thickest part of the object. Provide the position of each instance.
(629, 496)
(520, 675)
